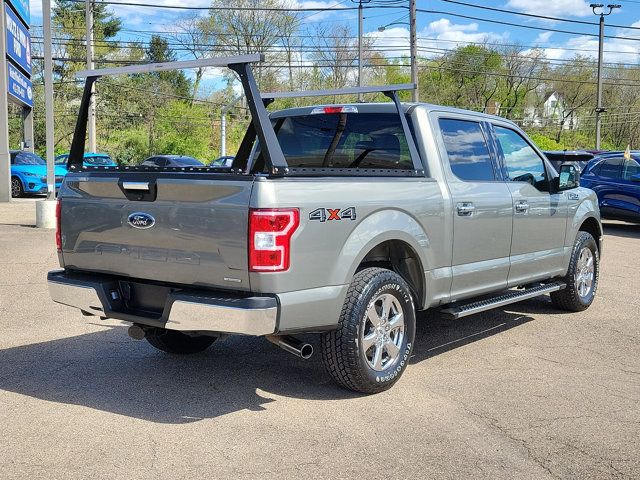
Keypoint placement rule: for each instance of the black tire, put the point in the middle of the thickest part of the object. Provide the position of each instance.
(570, 298)
(17, 189)
(172, 341)
(343, 352)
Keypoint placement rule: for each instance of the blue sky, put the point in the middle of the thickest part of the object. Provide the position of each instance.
(438, 31)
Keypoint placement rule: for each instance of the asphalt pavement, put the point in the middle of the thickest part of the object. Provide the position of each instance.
(524, 391)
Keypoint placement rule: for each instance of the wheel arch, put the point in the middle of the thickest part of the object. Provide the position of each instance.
(395, 240)
(592, 226)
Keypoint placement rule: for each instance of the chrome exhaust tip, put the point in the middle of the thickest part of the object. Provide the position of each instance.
(136, 332)
(292, 345)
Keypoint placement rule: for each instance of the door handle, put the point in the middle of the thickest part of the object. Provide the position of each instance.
(141, 186)
(465, 209)
(522, 207)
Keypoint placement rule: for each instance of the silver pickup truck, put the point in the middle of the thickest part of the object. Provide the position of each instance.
(341, 220)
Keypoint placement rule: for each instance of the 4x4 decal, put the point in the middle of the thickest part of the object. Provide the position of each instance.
(329, 214)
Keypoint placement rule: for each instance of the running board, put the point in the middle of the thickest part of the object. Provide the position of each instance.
(464, 310)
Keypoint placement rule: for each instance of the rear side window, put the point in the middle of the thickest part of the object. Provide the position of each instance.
(467, 150)
(631, 168)
(610, 168)
(344, 140)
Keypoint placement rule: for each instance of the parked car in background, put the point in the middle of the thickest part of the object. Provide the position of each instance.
(616, 181)
(223, 162)
(579, 158)
(172, 161)
(90, 160)
(29, 174)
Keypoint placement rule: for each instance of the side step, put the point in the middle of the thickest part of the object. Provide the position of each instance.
(459, 311)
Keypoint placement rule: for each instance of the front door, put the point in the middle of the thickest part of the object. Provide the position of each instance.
(482, 210)
(539, 218)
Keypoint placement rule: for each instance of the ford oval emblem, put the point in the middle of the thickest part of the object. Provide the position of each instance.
(141, 220)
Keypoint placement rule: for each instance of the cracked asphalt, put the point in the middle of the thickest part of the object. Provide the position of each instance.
(520, 392)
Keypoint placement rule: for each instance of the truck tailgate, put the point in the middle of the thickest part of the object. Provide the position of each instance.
(198, 232)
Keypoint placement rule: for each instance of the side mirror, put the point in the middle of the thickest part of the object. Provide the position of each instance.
(635, 178)
(569, 177)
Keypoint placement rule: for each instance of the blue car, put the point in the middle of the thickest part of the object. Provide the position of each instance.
(90, 160)
(29, 174)
(616, 181)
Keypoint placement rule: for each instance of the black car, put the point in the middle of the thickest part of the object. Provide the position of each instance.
(172, 161)
(579, 158)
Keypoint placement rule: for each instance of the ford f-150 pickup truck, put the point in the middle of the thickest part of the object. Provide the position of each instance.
(341, 220)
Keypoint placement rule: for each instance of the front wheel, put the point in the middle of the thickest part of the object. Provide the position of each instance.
(582, 276)
(370, 350)
(17, 190)
(172, 341)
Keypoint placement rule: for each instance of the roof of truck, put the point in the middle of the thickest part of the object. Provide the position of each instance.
(386, 107)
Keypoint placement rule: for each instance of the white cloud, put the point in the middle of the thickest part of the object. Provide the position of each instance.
(556, 8)
(542, 38)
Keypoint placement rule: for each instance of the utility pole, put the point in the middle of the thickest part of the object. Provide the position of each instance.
(414, 49)
(360, 22)
(599, 109)
(90, 66)
(360, 46)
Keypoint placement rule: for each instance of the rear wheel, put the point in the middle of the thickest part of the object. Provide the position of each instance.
(371, 347)
(17, 190)
(582, 276)
(172, 341)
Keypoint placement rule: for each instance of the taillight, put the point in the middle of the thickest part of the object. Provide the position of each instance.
(58, 230)
(270, 232)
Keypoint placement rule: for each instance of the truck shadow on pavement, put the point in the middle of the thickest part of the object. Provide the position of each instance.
(620, 229)
(108, 371)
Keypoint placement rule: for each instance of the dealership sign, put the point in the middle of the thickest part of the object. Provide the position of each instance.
(18, 41)
(23, 9)
(19, 86)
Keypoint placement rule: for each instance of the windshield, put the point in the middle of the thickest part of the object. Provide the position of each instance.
(28, 158)
(187, 161)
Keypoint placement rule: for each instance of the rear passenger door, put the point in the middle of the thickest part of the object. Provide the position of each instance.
(539, 217)
(482, 209)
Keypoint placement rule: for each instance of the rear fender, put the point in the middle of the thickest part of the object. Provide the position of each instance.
(379, 227)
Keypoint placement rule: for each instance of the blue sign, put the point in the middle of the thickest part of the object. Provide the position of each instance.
(23, 9)
(19, 86)
(18, 41)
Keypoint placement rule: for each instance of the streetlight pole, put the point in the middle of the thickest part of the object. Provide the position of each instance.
(599, 109)
(90, 66)
(414, 50)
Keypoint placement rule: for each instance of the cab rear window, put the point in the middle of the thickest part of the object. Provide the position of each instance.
(344, 140)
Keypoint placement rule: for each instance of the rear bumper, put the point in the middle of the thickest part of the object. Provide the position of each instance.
(184, 310)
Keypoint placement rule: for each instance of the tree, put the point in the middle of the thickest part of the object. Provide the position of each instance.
(470, 70)
(158, 51)
(69, 21)
(193, 36)
(576, 85)
(522, 72)
(252, 26)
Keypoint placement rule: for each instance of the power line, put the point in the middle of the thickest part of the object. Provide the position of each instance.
(519, 25)
(247, 9)
(531, 15)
